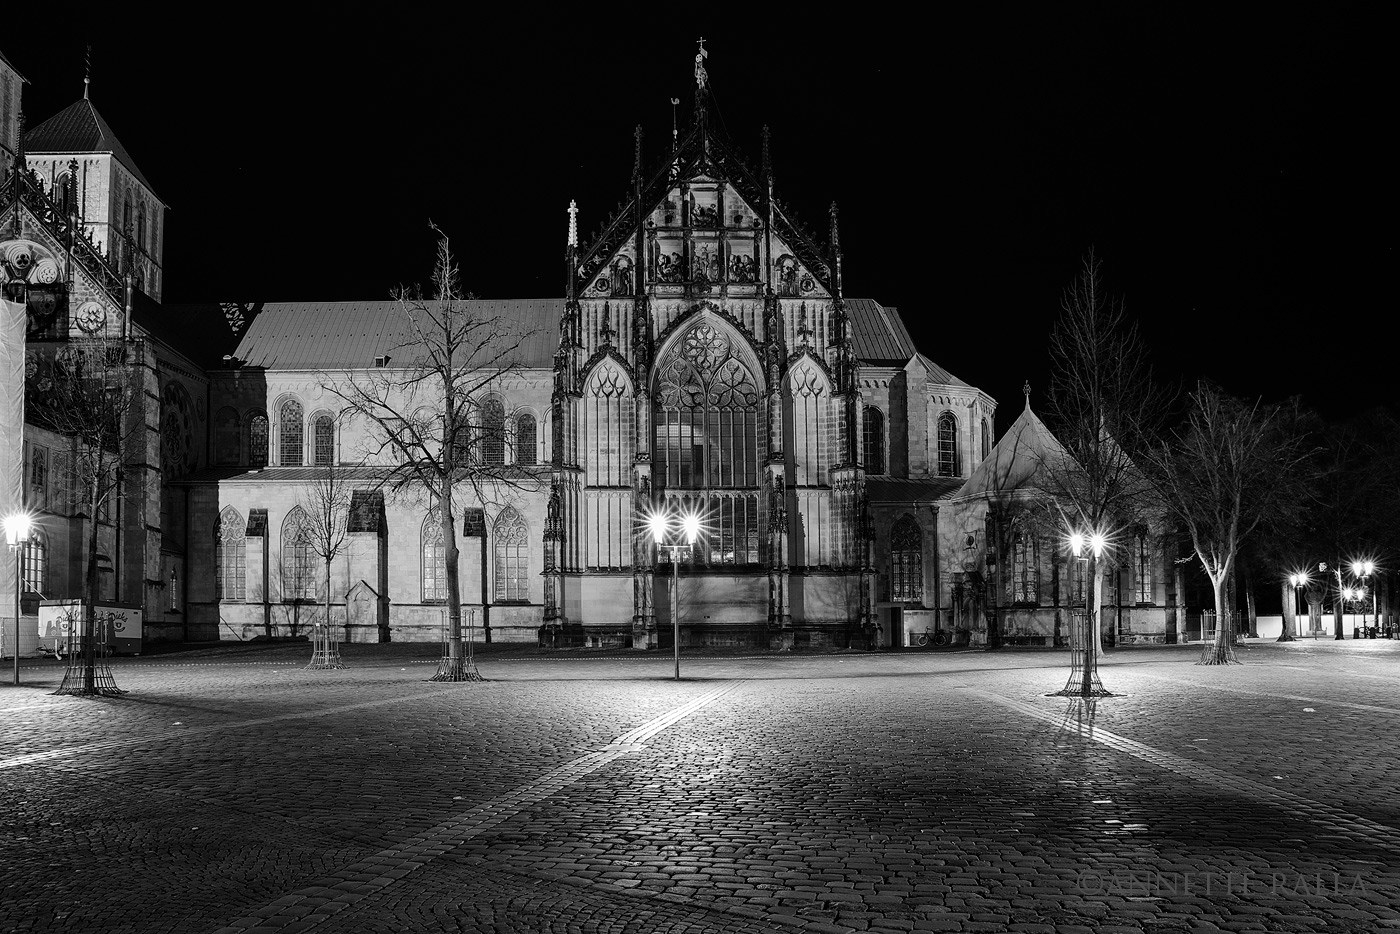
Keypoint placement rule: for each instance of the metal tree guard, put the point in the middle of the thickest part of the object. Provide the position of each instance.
(75, 671)
(461, 667)
(325, 648)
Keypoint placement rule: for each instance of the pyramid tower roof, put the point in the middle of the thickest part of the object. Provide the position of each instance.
(79, 128)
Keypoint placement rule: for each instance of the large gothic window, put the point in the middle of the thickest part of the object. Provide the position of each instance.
(1142, 566)
(290, 434)
(906, 561)
(230, 557)
(493, 431)
(323, 439)
(298, 564)
(873, 440)
(257, 440)
(434, 561)
(707, 440)
(608, 415)
(34, 563)
(811, 424)
(512, 556)
(1025, 578)
(526, 435)
(948, 465)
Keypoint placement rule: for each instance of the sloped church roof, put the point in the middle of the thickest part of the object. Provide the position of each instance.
(1024, 451)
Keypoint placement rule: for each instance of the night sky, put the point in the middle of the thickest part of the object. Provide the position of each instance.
(1231, 173)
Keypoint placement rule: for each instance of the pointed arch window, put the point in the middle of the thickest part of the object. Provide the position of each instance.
(493, 431)
(433, 560)
(298, 564)
(986, 439)
(291, 438)
(1142, 567)
(323, 440)
(141, 226)
(873, 440)
(230, 557)
(907, 561)
(1025, 575)
(526, 435)
(511, 550)
(257, 440)
(34, 563)
(948, 465)
(608, 416)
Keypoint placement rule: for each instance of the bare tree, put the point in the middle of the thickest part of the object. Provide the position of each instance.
(1104, 408)
(326, 502)
(1232, 469)
(450, 360)
(88, 390)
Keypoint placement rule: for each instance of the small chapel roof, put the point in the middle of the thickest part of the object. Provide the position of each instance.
(80, 128)
(1027, 448)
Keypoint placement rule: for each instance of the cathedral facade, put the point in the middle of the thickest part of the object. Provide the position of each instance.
(702, 361)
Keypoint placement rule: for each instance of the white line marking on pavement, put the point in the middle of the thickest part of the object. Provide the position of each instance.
(1370, 708)
(313, 905)
(1356, 829)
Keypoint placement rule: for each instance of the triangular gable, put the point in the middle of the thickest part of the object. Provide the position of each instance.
(1018, 460)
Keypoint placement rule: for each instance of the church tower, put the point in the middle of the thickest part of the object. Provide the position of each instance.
(87, 170)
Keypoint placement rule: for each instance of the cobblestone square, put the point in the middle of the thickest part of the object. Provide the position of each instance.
(232, 791)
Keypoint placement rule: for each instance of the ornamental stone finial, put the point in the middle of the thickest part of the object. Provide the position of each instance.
(573, 222)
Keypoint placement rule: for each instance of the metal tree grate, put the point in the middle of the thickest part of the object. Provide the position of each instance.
(79, 678)
(1083, 665)
(1216, 652)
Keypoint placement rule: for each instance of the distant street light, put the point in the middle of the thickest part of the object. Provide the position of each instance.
(17, 530)
(1363, 569)
(675, 532)
(1087, 546)
(1299, 580)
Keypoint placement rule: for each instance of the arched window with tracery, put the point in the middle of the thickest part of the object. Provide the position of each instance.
(1025, 574)
(526, 439)
(230, 556)
(323, 440)
(948, 465)
(707, 439)
(257, 440)
(34, 563)
(298, 559)
(227, 434)
(141, 226)
(907, 561)
(811, 424)
(492, 426)
(511, 550)
(433, 560)
(291, 434)
(608, 418)
(873, 440)
(1142, 567)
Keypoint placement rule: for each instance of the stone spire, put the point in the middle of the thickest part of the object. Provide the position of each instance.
(573, 224)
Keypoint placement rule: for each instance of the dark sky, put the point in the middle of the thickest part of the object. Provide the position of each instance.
(1231, 173)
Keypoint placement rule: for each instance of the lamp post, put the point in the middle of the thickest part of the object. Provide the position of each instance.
(1363, 569)
(1299, 580)
(1089, 546)
(17, 528)
(674, 533)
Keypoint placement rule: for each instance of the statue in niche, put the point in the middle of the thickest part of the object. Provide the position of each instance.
(622, 276)
(787, 277)
(702, 216)
(670, 268)
(741, 268)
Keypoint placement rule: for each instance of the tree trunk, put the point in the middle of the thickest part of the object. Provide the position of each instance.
(1337, 610)
(1222, 650)
(1252, 622)
(1289, 598)
(90, 602)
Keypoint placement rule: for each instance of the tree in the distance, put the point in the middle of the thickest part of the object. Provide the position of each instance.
(1231, 470)
(325, 500)
(425, 412)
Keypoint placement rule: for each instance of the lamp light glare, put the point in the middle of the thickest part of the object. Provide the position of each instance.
(1097, 541)
(1076, 543)
(690, 525)
(17, 528)
(658, 525)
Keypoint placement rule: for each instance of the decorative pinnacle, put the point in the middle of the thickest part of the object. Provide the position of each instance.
(701, 76)
(637, 153)
(1027, 390)
(675, 134)
(573, 223)
(835, 235)
(87, 72)
(767, 161)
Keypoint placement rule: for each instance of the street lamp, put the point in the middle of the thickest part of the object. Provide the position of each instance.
(1363, 569)
(675, 533)
(1299, 580)
(1087, 547)
(17, 529)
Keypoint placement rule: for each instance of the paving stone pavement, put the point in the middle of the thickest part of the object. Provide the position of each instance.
(232, 791)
